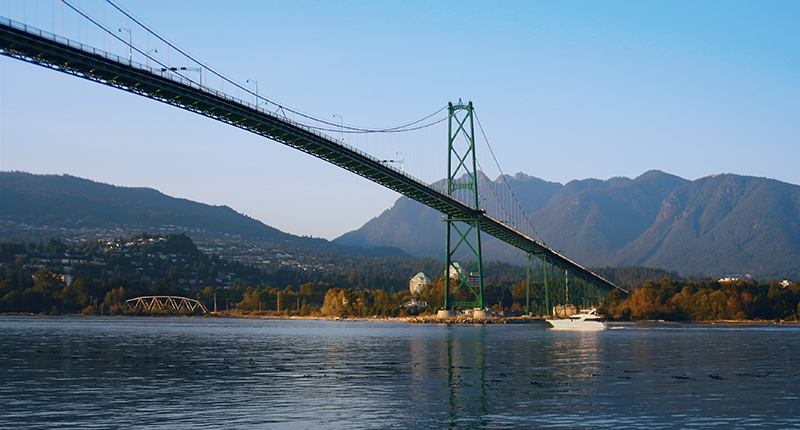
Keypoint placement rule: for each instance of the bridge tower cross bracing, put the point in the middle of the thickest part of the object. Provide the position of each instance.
(462, 178)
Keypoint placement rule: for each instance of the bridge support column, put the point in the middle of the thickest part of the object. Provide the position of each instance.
(541, 294)
(463, 286)
(528, 288)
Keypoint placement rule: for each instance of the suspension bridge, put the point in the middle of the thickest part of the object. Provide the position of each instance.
(470, 202)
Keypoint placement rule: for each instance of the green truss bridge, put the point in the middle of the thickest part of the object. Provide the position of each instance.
(167, 84)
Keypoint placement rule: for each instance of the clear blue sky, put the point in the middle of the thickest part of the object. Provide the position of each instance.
(565, 89)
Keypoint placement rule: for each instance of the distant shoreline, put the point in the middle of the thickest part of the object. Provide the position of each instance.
(424, 319)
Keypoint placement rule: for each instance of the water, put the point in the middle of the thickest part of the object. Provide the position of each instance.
(70, 372)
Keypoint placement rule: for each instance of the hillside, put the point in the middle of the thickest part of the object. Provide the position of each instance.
(64, 201)
(38, 207)
(736, 224)
(419, 230)
(725, 225)
(591, 220)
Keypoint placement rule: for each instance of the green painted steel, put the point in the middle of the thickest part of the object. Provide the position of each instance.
(461, 148)
(548, 309)
(48, 50)
(528, 287)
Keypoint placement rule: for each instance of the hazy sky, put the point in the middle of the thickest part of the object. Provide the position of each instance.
(565, 90)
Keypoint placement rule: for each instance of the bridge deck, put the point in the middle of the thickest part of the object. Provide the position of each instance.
(45, 49)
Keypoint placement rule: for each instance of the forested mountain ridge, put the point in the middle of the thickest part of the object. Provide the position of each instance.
(718, 226)
(737, 223)
(68, 201)
(419, 230)
(591, 219)
(38, 207)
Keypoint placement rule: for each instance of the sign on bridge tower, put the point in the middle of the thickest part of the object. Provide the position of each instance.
(462, 231)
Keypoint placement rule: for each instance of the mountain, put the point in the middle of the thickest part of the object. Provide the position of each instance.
(739, 225)
(590, 220)
(724, 225)
(67, 201)
(36, 207)
(420, 231)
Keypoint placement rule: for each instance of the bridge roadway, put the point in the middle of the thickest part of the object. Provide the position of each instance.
(45, 49)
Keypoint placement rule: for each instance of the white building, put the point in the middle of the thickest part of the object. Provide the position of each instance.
(418, 282)
(456, 270)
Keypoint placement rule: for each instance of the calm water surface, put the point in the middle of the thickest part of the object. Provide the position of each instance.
(69, 372)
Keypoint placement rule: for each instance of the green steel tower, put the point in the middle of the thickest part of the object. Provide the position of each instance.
(462, 179)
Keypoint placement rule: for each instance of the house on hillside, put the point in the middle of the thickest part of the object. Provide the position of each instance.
(418, 282)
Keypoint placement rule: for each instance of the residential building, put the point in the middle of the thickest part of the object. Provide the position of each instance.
(418, 282)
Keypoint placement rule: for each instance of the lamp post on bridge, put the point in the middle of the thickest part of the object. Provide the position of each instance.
(148, 55)
(256, 83)
(402, 161)
(130, 43)
(341, 127)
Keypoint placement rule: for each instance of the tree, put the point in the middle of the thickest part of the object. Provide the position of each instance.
(76, 296)
(251, 300)
(115, 298)
(336, 302)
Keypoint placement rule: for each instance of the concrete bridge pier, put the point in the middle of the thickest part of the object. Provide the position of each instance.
(445, 313)
(482, 313)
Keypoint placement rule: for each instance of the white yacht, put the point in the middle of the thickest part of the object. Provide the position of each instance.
(586, 320)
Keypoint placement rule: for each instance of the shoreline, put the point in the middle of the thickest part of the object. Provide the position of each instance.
(423, 319)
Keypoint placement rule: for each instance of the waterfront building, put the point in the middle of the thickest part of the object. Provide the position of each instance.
(414, 305)
(418, 282)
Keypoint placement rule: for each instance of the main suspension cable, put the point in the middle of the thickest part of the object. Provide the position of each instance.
(280, 107)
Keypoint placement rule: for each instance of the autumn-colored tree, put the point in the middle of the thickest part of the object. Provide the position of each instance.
(337, 303)
(115, 297)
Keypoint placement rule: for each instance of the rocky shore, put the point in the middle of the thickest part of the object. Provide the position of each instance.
(470, 320)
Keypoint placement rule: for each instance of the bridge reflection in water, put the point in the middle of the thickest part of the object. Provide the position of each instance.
(459, 366)
(471, 367)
